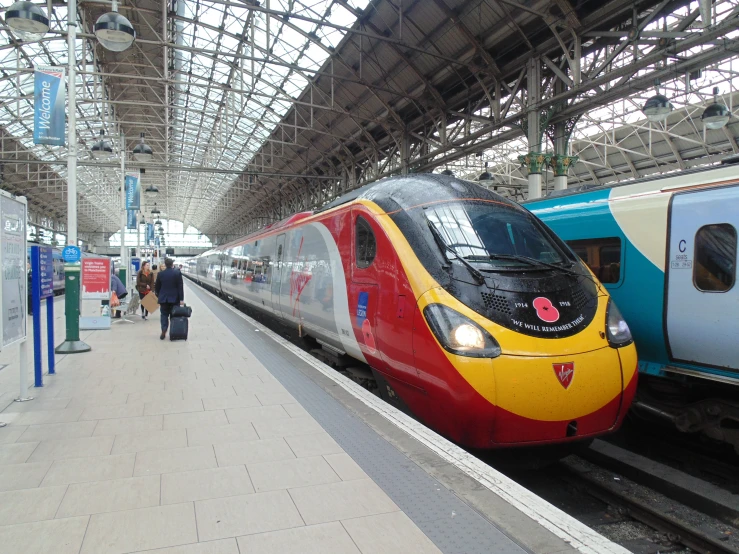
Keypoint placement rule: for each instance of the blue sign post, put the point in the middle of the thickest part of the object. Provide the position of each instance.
(71, 254)
(42, 286)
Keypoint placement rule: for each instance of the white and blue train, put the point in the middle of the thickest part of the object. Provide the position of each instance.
(666, 250)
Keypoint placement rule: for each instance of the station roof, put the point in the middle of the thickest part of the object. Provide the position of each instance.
(255, 110)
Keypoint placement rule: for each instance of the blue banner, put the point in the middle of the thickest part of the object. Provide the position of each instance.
(149, 233)
(133, 191)
(156, 242)
(48, 106)
(131, 220)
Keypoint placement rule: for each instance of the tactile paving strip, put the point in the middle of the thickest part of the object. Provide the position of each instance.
(452, 525)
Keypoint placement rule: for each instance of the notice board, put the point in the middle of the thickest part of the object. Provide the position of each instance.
(15, 268)
(95, 294)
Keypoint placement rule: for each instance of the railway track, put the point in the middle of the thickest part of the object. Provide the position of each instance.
(707, 537)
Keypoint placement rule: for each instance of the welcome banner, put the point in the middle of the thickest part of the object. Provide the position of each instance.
(131, 223)
(48, 106)
(133, 190)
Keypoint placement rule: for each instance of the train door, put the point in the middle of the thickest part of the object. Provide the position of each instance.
(702, 319)
(364, 290)
(277, 271)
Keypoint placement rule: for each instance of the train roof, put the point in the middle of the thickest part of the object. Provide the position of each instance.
(391, 194)
(406, 191)
(582, 189)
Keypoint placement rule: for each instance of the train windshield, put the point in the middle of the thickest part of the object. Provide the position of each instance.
(492, 234)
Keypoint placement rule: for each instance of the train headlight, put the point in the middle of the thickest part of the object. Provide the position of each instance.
(459, 334)
(616, 328)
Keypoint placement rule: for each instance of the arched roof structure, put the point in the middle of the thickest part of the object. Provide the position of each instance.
(256, 109)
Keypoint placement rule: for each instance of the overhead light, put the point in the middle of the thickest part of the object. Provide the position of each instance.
(155, 210)
(27, 21)
(448, 172)
(142, 152)
(158, 222)
(151, 190)
(486, 175)
(658, 107)
(114, 31)
(716, 115)
(102, 150)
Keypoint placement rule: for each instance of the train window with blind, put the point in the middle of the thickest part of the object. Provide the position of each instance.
(603, 257)
(714, 269)
(366, 244)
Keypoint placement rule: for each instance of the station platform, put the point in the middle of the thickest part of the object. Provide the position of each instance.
(236, 442)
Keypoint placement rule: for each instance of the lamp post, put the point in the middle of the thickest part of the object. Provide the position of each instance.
(124, 219)
(115, 33)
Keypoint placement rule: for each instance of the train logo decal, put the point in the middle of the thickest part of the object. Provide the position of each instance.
(564, 372)
(369, 339)
(545, 309)
(364, 323)
(299, 279)
(362, 302)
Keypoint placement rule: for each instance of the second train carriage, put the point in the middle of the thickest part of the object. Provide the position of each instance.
(666, 250)
(471, 313)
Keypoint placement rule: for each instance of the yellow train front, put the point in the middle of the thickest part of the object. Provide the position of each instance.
(510, 339)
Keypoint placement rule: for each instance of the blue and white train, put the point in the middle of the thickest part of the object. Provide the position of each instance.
(58, 264)
(666, 250)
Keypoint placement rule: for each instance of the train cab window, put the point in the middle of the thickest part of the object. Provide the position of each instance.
(366, 244)
(603, 257)
(714, 269)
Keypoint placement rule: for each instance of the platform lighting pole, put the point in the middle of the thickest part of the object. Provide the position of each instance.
(72, 344)
(124, 222)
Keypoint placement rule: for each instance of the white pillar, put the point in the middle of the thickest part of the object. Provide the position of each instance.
(534, 185)
(72, 147)
(560, 183)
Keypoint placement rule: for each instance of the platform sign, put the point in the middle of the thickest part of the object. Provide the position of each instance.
(15, 270)
(96, 278)
(71, 254)
(46, 271)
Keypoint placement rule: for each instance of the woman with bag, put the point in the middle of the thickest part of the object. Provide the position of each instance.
(144, 283)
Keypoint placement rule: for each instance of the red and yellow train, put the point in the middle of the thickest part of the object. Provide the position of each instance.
(470, 312)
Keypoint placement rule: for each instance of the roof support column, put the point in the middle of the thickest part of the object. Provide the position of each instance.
(561, 161)
(534, 160)
(404, 152)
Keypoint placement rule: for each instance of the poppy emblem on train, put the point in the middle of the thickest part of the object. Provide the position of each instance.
(564, 372)
(545, 309)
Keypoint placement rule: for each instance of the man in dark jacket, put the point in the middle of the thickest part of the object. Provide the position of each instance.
(169, 291)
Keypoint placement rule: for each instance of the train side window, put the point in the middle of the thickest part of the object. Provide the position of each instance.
(714, 269)
(602, 256)
(366, 244)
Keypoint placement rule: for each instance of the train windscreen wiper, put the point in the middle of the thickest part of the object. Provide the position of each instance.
(556, 267)
(479, 277)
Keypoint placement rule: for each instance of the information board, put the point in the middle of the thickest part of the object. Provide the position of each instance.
(46, 271)
(95, 278)
(15, 270)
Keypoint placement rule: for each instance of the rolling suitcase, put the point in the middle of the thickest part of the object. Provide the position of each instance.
(178, 327)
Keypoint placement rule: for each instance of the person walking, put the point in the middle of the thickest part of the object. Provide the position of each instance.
(170, 292)
(144, 284)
